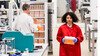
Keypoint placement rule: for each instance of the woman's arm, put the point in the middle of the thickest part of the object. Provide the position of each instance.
(59, 35)
(79, 35)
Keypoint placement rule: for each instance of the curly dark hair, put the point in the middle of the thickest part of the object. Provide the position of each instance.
(73, 16)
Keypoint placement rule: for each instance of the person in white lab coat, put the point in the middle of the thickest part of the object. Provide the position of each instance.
(24, 22)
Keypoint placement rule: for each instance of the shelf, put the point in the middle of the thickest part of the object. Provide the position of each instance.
(3, 28)
(39, 24)
(38, 44)
(4, 0)
(13, 9)
(36, 10)
(39, 31)
(3, 16)
(39, 38)
(38, 17)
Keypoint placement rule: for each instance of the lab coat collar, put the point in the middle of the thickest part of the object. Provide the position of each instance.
(70, 25)
(24, 13)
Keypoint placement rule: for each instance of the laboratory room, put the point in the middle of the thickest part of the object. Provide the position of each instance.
(49, 27)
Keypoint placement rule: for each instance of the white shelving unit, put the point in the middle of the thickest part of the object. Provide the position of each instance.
(8, 14)
(4, 18)
(4, 0)
(38, 10)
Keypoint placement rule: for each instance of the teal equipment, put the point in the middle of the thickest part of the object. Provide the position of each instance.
(22, 42)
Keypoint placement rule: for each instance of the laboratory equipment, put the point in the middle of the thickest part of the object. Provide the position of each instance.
(21, 40)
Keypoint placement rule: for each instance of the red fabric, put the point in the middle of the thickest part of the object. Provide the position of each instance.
(73, 5)
(69, 50)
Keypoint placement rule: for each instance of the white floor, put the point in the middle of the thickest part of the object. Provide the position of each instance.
(84, 48)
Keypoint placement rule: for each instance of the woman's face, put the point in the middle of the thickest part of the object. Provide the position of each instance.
(69, 19)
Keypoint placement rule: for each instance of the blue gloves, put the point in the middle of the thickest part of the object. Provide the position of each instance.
(75, 40)
(63, 40)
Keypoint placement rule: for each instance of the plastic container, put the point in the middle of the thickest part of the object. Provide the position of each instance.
(69, 40)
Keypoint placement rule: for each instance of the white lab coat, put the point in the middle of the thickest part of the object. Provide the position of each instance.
(24, 23)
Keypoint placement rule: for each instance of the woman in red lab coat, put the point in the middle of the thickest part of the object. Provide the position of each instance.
(69, 29)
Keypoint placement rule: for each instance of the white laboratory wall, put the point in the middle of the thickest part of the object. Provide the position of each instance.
(61, 7)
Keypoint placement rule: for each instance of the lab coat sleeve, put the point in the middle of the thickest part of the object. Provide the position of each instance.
(33, 26)
(80, 36)
(59, 35)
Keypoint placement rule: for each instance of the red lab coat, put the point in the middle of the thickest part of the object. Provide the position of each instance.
(74, 31)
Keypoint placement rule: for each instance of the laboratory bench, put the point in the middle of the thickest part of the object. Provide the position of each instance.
(39, 49)
(43, 51)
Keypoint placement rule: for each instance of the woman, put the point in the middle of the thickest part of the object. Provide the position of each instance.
(70, 30)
